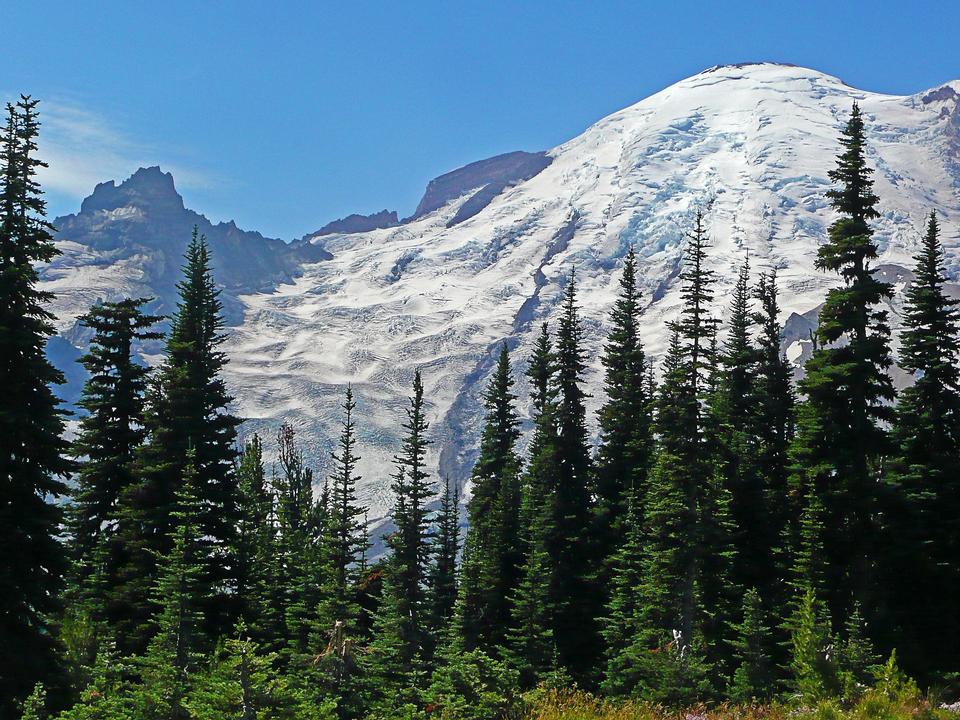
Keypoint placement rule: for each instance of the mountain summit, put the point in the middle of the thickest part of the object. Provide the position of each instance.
(751, 144)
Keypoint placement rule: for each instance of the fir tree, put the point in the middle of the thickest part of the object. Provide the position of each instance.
(774, 422)
(443, 572)
(625, 439)
(624, 621)
(923, 533)
(490, 570)
(110, 433)
(347, 527)
(530, 637)
(252, 529)
(753, 678)
(847, 386)
(174, 652)
(32, 451)
(576, 602)
(187, 408)
(401, 624)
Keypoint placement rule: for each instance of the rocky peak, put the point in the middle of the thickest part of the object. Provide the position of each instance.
(148, 189)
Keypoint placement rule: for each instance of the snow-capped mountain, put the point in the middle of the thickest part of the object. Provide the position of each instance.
(486, 261)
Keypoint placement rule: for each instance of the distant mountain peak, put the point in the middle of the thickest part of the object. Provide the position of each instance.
(148, 187)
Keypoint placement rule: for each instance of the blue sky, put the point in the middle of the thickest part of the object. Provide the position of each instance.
(284, 115)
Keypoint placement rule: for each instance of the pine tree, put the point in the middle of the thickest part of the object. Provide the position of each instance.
(530, 637)
(400, 637)
(300, 571)
(187, 408)
(32, 451)
(253, 526)
(576, 602)
(923, 533)
(490, 570)
(753, 678)
(347, 526)
(623, 454)
(174, 652)
(243, 683)
(847, 386)
(774, 423)
(110, 433)
(443, 572)
(624, 622)
(734, 410)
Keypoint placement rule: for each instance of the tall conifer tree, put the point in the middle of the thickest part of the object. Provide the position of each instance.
(492, 548)
(847, 387)
(400, 637)
(188, 409)
(576, 602)
(923, 537)
(32, 451)
(109, 436)
(625, 418)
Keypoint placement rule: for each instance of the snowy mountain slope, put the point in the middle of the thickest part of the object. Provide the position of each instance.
(752, 144)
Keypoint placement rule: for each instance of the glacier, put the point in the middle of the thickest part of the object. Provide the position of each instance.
(750, 144)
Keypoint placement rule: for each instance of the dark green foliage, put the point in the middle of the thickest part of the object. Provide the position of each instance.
(243, 682)
(111, 431)
(253, 531)
(443, 572)
(753, 678)
(530, 637)
(492, 557)
(186, 409)
(576, 602)
(624, 623)
(847, 387)
(347, 535)
(401, 630)
(32, 451)
(174, 651)
(923, 533)
(473, 686)
(623, 454)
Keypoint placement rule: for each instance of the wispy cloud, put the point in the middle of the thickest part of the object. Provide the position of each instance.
(83, 148)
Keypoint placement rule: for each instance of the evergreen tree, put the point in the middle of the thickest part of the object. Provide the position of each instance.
(400, 637)
(187, 408)
(243, 683)
(252, 529)
(623, 454)
(443, 573)
(734, 410)
(753, 678)
(530, 637)
(347, 526)
(300, 564)
(624, 622)
(923, 534)
(576, 602)
(174, 652)
(32, 451)
(492, 558)
(847, 387)
(110, 433)
(773, 412)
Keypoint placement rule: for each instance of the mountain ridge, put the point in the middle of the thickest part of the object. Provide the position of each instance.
(751, 144)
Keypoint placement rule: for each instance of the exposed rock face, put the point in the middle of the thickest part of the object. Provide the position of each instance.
(137, 231)
(358, 223)
(487, 177)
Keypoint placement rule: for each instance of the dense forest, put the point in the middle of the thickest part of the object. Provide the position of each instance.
(731, 537)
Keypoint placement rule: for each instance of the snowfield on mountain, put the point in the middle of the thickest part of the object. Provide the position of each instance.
(751, 144)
